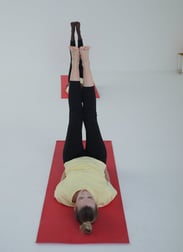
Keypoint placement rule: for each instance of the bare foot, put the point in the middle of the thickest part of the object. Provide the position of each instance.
(84, 52)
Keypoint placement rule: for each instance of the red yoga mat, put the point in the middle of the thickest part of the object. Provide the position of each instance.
(58, 224)
(64, 82)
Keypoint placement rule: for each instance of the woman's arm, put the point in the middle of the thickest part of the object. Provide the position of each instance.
(107, 175)
(63, 176)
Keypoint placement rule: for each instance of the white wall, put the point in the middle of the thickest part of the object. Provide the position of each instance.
(125, 34)
(142, 111)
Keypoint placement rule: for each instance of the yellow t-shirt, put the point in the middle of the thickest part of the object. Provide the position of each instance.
(85, 173)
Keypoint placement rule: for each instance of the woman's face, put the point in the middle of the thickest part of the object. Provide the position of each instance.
(84, 198)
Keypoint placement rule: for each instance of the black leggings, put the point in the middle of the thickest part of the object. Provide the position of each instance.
(82, 108)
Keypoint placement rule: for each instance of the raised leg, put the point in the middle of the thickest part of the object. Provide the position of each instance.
(80, 43)
(73, 143)
(75, 27)
(87, 74)
(95, 146)
(72, 43)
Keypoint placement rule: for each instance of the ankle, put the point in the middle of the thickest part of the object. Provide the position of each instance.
(89, 83)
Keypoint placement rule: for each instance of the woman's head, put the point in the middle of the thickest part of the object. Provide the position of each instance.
(86, 210)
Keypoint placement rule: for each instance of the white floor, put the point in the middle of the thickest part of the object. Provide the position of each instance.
(141, 112)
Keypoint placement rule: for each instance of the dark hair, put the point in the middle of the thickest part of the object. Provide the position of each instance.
(86, 215)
